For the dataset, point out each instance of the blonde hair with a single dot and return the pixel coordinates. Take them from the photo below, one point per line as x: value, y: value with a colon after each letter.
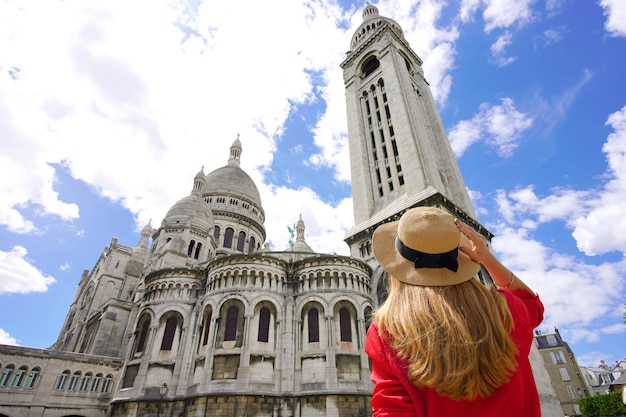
x: 455, y: 339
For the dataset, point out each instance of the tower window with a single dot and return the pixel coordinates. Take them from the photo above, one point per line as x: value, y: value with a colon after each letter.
x: 344, y: 325
x: 370, y: 66
x: 207, y: 326
x: 228, y: 237
x: 241, y: 240
x: 145, y: 327
x: 168, y: 334
x: 232, y: 318
x: 264, y: 325
x: 314, y: 325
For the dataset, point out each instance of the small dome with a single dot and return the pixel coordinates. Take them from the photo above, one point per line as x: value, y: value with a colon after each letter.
x: 372, y: 21
x: 191, y: 211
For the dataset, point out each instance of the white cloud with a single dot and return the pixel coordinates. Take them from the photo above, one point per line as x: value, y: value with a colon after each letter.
x: 506, y: 13
x: 7, y: 339
x: 615, y: 13
x: 500, y: 126
x: 603, y: 228
x: 595, y: 308
x: 498, y: 50
x: 18, y: 275
x: 498, y: 13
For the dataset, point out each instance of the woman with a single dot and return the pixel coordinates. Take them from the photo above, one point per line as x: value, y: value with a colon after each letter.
x: 442, y: 343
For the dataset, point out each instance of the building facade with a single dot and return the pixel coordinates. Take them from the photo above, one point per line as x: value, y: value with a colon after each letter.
x: 202, y: 318
x: 566, y: 376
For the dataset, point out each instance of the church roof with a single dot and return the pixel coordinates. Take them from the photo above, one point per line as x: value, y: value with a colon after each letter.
x: 232, y: 180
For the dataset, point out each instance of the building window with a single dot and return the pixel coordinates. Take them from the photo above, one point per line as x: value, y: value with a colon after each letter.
x: 216, y: 232
x: 190, y: 248
x: 564, y: 374
x: 207, y: 327
x: 143, y: 335
x: 232, y: 317
x: 168, y: 334
x: 74, y: 381
x: 314, y: 325
x: 19, y: 376
x: 551, y: 339
x: 344, y: 325
x: 251, y: 247
x: 228, y: 237
x: 96, y: 383
x: 571, y: 392
x: 32, y: 378
x: 196, y: 255
x: 264, y: 325
x: 6, y: 375
x: 241, y: 241
x: 84, y: 386
x: 558, y: 357
x: 106, y: 387
x: 62, y: 380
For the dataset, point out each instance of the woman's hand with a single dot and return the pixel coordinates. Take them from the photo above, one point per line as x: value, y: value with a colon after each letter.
x: 479, y: 251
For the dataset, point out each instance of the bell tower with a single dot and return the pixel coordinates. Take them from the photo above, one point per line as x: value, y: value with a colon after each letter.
x: 400, y: 156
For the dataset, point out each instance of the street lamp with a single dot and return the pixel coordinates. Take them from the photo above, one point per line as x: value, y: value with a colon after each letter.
x: 162, y: 392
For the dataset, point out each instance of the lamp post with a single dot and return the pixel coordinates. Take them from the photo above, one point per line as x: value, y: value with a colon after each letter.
x: 162, y: 391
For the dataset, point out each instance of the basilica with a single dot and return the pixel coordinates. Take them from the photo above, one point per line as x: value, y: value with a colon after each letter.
x: 201, y: 318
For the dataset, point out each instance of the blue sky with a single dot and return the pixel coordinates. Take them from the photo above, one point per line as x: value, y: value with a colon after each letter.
x: 109, y: 108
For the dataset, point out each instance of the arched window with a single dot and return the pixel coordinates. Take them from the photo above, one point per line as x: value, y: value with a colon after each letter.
x: 344, y: 325
x: 62, y: 380
x: 251, y: 246
x: 143, y: 335
x: 241, y: 240
x: 19, y: 376
x: 207, y: 327
x: 314, y: 325
x: 32, y: 378
x: 6, y: 375
x: 96, y: 383
x: 74, y: 381
x: 168, y: 334
x: 106, y: 387
x: 369, y: 66
x: 264, y: 325
x: 228, y: 237
x: 216, y: 232
x: 190, y: 248
x: 196, y: 255
x: 232, y: 318
x: 84, y: 386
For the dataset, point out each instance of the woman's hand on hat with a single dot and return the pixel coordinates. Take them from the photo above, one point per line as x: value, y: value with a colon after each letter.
x: 479, y: 250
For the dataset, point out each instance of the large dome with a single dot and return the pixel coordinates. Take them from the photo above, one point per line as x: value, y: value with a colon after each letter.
x: 232, y: 180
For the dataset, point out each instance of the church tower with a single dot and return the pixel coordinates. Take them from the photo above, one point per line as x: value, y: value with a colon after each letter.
x: 400, y: 156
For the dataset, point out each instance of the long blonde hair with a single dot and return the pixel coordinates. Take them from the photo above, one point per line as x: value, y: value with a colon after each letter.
x: 455, y: 339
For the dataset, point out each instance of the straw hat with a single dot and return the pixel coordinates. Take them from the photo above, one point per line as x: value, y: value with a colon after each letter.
x: 422, y: 249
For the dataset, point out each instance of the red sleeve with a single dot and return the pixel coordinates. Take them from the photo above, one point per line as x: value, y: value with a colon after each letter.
x: 531, y: 304
x: 390, y: 397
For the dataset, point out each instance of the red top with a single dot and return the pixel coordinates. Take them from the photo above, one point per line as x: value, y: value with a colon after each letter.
x: 395, y: 396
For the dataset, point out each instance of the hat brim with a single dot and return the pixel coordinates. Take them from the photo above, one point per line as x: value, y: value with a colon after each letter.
x: 384, y: 246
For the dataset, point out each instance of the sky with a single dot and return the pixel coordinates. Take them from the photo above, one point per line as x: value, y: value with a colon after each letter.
x: 108, y: 109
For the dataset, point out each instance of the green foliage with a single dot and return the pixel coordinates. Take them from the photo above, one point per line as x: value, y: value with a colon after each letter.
x: 603, y: 405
